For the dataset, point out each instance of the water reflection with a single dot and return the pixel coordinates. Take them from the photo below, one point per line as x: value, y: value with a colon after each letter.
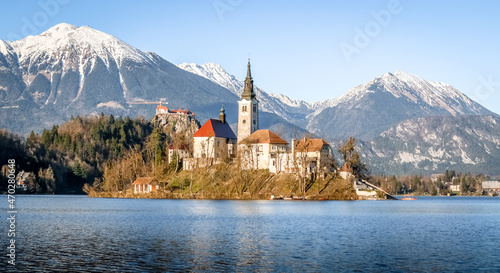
x: 80, y: 234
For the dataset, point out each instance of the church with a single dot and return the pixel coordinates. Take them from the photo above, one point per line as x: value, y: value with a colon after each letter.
x: 252, y: 148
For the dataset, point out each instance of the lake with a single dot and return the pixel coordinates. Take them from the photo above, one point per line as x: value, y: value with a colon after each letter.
x: 79, y: 234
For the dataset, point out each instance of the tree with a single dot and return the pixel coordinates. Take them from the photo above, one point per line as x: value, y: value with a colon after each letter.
x: 47, y: 179
x: 352, y: 158
x: 174, y: 162
x: 156, y: 147
x: 463, y: 185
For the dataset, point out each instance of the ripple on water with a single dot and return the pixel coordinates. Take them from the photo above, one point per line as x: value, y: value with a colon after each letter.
x: 79, y: 234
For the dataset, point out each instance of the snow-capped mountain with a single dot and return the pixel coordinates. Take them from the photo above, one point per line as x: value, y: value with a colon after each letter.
x: 216, y: 74
x: 369, y: 109
x: 71, y: 70
x: 295, y: 111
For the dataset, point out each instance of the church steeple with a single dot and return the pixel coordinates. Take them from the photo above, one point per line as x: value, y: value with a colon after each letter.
x: 248, y: 91
x: 248, y: 113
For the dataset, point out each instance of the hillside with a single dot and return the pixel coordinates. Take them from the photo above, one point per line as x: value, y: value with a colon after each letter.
x: 431, y: 144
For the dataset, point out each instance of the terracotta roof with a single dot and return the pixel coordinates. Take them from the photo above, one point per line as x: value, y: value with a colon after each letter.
x: 264, y: 136
x: 186, y: 112
x: 215, y: 128
x: 346, y: 168
x: 143, y: 181
x: 310, y: 145
x: 162, y: 107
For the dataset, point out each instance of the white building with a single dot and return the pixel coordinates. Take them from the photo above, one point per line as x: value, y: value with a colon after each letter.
x: 455, y: 188
x: 346, y: 171
x: 180, y: 151
x: 491, y: 185
x: 261, y: 150
x: 212, y: 143
x: 313, y: 154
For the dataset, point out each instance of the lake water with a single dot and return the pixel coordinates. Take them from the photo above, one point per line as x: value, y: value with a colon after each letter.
x: 80, y: 234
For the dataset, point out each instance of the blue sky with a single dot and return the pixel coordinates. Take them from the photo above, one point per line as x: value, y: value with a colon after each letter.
x: 309, y: 50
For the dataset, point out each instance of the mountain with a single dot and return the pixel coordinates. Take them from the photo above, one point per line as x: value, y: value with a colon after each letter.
x: 69, y: 70
x: 432, y: 144
x: 369, y: 109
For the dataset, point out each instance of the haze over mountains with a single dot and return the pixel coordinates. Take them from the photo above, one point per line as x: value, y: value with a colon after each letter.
x: 71, y: 70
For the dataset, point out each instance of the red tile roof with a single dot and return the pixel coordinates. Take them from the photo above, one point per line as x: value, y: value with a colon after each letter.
x: 181, y: 111
x: 143, y: 181
x: 310, y: 145
x: 264, y: 136
x: 215, y: 128
x: 162, y: 107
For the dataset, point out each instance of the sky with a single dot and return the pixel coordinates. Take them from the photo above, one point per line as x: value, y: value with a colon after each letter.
x: 307, y: 50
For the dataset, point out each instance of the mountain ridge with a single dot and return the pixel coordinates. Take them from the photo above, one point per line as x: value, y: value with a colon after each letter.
x: 388, y: 100
x: 428, y: 145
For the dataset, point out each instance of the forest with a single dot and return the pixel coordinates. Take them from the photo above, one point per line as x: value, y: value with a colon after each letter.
x: 64, y: 158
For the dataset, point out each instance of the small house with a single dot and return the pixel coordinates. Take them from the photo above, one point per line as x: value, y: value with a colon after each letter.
x: 145, y: 185
x: 346, y: 171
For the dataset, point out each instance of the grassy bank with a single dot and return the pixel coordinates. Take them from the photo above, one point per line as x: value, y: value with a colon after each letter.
x: 227, y: 181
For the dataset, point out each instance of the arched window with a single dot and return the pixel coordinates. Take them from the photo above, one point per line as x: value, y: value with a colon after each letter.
x: 244, y: 121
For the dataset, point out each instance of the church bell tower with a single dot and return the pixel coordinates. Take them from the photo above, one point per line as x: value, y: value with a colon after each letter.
x: 248, y: 111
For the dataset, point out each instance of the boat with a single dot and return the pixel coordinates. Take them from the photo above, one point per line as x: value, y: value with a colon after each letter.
x: 409, y: 197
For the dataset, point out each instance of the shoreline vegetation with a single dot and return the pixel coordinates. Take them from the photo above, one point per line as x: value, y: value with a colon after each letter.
x: 227, y: 181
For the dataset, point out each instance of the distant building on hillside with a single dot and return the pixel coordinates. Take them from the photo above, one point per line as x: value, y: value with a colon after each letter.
x: 455, y: 188
x: 491, y: 186
x: 161, y: 109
